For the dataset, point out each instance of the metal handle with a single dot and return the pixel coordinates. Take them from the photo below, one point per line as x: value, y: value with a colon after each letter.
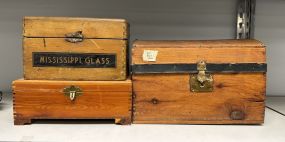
x: 74, y: 37
x: 72, y: 92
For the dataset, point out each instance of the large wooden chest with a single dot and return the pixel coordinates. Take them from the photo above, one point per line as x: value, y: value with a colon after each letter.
x: 199, y: 82
x: 58, y: 48
x: 42, y: 99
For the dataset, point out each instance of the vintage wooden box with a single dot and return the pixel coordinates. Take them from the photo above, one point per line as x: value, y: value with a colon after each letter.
x: 43, y: 99
x: 57, y: 48
x: 199, y: 82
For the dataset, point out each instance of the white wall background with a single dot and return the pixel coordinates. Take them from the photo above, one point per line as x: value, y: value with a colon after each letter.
x: 149, y: 19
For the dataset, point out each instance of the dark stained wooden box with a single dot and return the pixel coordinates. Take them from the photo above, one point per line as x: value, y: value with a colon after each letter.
x: 199, y: 82
x: 43, y: 99
x: 61, y: 48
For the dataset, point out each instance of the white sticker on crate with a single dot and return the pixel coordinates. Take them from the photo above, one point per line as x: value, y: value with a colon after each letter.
x: 149, y: 55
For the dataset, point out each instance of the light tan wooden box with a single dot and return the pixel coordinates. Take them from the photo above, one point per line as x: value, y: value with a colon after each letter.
x: 59, y: 48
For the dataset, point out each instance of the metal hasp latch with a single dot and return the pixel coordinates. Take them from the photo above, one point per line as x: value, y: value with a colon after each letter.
x: 201, y: 82
x: 72, y: 92
x: 74, y: 37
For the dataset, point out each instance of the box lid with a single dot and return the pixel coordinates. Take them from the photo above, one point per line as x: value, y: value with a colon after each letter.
x: 57, y: 27
x: 183, y: 56
x: 59, y: 86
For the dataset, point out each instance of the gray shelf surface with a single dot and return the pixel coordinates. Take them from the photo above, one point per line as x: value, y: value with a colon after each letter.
x: 272, y: 130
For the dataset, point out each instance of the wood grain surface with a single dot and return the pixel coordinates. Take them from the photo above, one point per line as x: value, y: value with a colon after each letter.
x: 224, y: 51
x: 166, y: 98
x: 199, y: 43
x: 90, y: 27
x: 39, y: 99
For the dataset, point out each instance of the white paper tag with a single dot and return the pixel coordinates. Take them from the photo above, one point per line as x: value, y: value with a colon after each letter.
x: 149, y: 55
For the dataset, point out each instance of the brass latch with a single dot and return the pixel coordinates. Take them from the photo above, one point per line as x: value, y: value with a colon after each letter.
x: 72, y: 92
x: 201, y: 82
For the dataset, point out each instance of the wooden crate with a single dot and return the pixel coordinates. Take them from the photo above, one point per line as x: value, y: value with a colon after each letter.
x: 43, y: 99
x: 58, y: 48
x: 199, y: 82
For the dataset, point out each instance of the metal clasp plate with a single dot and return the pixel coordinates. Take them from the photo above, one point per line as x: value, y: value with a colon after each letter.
x: 72, y: 92
x: 74, y: 37
x: 201, y: 82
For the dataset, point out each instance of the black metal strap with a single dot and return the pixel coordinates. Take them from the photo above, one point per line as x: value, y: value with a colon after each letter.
x: 192, y: 68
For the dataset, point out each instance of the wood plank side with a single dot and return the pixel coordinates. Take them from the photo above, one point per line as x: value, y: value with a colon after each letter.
x: 57, y: 86
x: 166, y: 98
x: 56, y: 105
x: 198, y: 43
x: 119, y: 47
x: 90, y: 27
x: 194, y: 54
x: 42, y: 104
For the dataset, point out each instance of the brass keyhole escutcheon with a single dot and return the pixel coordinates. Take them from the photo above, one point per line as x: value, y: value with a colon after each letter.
x: 72, y: 92
x: 202, y: 81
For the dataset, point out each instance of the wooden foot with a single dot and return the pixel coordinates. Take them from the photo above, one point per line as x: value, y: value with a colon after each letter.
x: 22, y: 121
x: 123, y: 121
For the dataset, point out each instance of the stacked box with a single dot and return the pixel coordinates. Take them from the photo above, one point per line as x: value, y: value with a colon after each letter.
x: 74, y: 68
